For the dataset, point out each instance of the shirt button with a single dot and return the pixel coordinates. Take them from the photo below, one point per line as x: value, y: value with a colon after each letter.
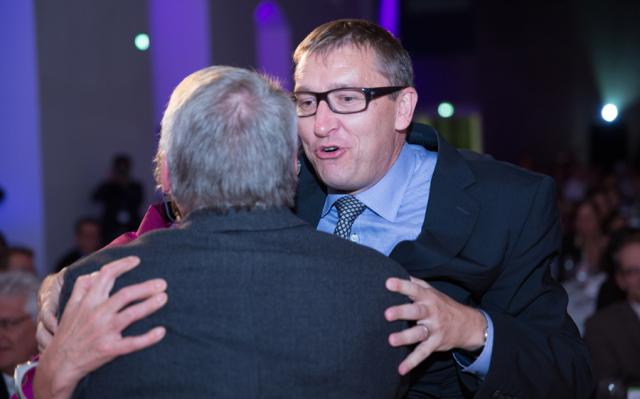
x: 354, y: 237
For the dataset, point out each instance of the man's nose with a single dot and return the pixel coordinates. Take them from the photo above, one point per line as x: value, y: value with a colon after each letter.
x: 325, y: 120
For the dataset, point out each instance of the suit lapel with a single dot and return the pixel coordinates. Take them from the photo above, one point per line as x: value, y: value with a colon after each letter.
x: 451, y: 212
x: 311, y: 194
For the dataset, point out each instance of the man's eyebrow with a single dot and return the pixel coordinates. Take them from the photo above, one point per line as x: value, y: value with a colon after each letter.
x: 331, y: 87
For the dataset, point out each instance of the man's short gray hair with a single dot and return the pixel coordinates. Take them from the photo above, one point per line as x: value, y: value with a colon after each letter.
x: 229, y: 137
x: 20, y: 283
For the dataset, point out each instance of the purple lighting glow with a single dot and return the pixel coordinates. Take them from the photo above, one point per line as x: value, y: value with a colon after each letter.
x: 389, y: 16
x: 268, y: 13
x: 273, y: 41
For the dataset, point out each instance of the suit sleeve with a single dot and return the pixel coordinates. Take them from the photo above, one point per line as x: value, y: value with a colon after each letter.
x: 537, y: 351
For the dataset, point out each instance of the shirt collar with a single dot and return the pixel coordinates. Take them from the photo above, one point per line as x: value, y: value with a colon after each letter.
x: 385, y: 197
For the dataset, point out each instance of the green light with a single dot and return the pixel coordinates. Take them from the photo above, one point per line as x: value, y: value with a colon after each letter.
x: 446, y: 110
x: 142, y: 41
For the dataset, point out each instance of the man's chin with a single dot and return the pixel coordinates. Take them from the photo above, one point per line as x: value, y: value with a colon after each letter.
x: 339, y: 186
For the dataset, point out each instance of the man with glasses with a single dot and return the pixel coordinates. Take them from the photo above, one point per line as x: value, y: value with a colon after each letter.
x: 18, y: 290
x: 490, y: 322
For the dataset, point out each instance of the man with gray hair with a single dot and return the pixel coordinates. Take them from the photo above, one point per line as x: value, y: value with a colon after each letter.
x: 18, y: 290
x: 261, y: 304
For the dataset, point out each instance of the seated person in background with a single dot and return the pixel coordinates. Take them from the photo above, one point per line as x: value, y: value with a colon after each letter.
x: 18, y: 290
x: 261, y: 304
x: 613, y: 334
x: 87, y: 240
x: 583, y: 262
x: 21, y: 258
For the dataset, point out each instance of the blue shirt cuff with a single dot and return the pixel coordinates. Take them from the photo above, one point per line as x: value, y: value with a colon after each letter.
x: 479, y: 366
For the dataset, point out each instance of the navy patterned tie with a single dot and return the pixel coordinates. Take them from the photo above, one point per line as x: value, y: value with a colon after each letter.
x: 349, y: 208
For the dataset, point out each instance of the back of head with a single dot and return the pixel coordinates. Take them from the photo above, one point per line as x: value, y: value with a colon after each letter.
x: 393, y: 60
x: 229, y: 138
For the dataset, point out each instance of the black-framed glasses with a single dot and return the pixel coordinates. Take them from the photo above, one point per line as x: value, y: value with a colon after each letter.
x: 345, y: 100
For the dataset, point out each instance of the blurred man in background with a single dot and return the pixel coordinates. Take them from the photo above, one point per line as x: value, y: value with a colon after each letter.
x: 121, y: 197
x: 88, y: 239
x: 613, y: 333
x: 21, y: 258
x: 18, y: 290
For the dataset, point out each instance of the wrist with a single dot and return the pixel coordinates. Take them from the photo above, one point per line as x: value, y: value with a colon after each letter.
x: 478, y: 333
x: 54, y: 379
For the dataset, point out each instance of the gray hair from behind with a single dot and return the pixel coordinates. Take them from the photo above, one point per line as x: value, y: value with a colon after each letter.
x: 229, y: 136
x: 20, y: 283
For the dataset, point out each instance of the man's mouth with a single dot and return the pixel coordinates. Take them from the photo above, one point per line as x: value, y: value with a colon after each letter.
x: 329, y: 152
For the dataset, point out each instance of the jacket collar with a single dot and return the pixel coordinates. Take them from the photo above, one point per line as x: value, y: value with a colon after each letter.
x: 255, y: 220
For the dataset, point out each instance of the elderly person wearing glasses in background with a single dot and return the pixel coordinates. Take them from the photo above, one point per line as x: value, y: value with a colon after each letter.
x: 18, y: 290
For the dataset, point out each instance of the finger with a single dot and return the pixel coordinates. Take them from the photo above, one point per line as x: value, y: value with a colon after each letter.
x: 49, y: 322
x: 140, y: 310
x: 421, y: 352
x: 410, y: 311
x: 136, y: 292
x: 421, y: 283
x: 409, y: 336
x: 406, y: 287
x: 79, y: 292
x: 138, y: 342
x: 108, y: 274
x: 43, y: 336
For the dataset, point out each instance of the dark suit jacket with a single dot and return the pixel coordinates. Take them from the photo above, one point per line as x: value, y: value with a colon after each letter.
x: 260, y: 306
x: 613, y: 337
x: 490, y: 232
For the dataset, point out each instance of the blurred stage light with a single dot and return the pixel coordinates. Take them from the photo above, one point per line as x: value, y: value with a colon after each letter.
x: 445, y: 110
x: 609, y: 112
x: 142, y: 41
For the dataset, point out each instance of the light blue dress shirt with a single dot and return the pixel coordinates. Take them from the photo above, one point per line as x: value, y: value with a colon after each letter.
x: 396, y: 207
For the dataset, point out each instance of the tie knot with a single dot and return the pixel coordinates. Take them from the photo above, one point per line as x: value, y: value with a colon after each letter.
x: 349, y: 205
x: 349, y: 208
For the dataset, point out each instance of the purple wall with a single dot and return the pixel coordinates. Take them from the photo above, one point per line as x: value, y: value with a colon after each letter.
x: 180, y: 45
x: 21, y: 214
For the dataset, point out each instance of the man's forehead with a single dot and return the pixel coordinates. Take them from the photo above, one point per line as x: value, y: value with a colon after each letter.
x: 361, y: 58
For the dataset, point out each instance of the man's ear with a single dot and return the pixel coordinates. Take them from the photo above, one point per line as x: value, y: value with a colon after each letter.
x: 405, y: 106
x: 165, y: 182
